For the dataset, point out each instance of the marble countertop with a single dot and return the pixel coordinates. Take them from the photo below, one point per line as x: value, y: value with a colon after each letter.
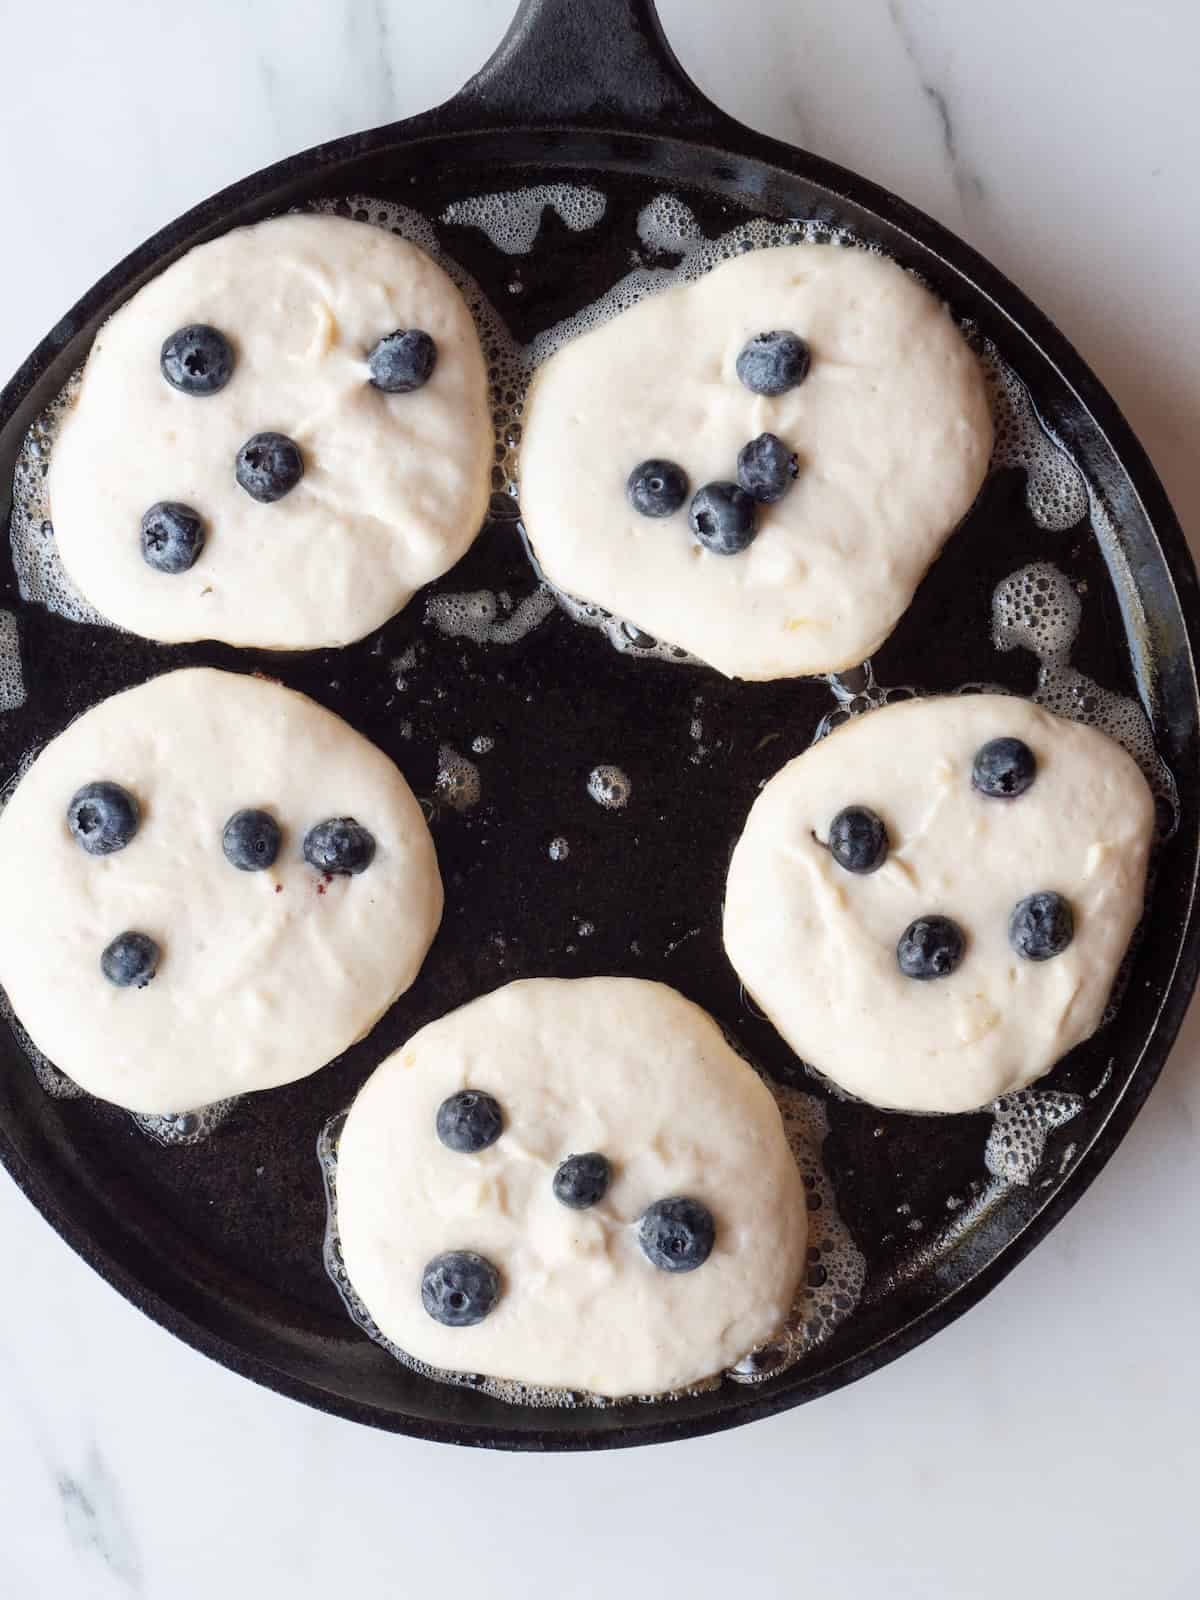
x: 1046, y: 1443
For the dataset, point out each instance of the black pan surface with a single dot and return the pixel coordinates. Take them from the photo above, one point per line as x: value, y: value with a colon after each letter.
x: 221, y: 1241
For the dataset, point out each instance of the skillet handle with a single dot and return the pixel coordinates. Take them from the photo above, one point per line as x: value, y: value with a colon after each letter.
x: 602, y: 64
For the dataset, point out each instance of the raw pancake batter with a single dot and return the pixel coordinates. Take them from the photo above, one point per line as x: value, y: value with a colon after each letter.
x: 375, y: 490
x: 634, y: 1091
x: 166, y: 942
x: 858, y: 854
x: 878, y: 433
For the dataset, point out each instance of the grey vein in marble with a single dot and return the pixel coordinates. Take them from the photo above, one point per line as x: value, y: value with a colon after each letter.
x: 95, y: 1520
x: 386, y: 73
x: 968, y: 184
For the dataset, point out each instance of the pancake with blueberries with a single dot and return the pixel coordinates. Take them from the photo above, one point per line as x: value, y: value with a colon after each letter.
x: 758, y: 467
x: 572, y: 1184
x: 277, y: 441
x: 214, y: 885
x: 932, y: 903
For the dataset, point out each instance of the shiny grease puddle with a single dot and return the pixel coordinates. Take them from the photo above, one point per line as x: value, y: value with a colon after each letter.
x: 470, y: 774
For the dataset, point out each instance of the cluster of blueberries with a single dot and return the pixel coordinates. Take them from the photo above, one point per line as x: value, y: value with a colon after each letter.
x: 1041, y: 926
x: 104, y: 817
x: 198, y: 360
x: 724, y: 516
x: 460, y: 1287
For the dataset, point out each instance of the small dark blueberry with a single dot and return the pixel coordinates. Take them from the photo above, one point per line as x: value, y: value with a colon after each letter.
x: 402, y: 361
x: 469, y: 1121
x: 773, y: 363
x: 582, y: 1181
x: 339, y: 844
x: 1004, y: 768
x: 657, y: 488
x: 766, y: 468
x: 197, y: 360
x: 172, y: 536
x: 677, y: 1234
x: 858, y: 839
x: 269, y: 465
x: 251, y: 840
x: 1041, y: 926
x: 930, y: 947
x: 459, y: 1288
x: 103, y: 817
x: 724, y: 519
x: 130, y: 960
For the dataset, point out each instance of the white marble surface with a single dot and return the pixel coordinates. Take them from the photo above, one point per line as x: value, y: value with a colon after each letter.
x: 1045, y: 1444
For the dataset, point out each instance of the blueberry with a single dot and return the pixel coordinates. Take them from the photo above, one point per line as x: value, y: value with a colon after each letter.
x: 131, y: 959
x: 1004, y: 768
x: 1041, y: 926
x: 766, y: 468
x: 773, y: 363
x: 657, y: 488
x: 103, y: 817
x: 251, y: 840
x: 459, y: 1288
x: 676, y: 1235
x: 197, y: 360
x: 469, y: 1121
x: 269, y: 465
x: 724, y: 518
x: 930, y: 947
x: 581, y: 1181
x: 858, y: 839
x: 402, y: 361
x: 172, y: 536
x: 339, y: 844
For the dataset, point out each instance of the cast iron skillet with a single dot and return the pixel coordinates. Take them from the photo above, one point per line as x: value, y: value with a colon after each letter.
x: 221, y: 1242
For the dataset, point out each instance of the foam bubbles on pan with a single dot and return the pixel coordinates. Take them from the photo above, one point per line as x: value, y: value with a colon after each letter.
x: 463, y: 616
x: 186, y: 1127
x: 1055, y: 489
x: 1022, y: 1124
x: 512, y: 219
x: 481, y: 616
x: 457, y: 784
x: 41, y: 576
x: 666, y: 224
x: 834, y: 1280
x: 12, y: 682
x: 609, y: 787
x: 1038, y: 608
x: 622, y: 635
x: 855, y: 690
